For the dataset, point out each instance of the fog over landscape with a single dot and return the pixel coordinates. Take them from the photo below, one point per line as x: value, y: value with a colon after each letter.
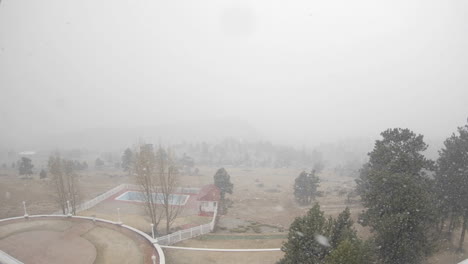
x: 302, y: 74
x: 233, y: 131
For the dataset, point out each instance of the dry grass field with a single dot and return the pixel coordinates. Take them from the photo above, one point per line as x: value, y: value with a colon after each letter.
x: 188, y: 256
x: 264, y: 197
x: 38, y: 193
x: 263, y: 204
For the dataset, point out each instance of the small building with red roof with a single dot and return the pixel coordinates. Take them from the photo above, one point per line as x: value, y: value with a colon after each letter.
x: 208, y: 199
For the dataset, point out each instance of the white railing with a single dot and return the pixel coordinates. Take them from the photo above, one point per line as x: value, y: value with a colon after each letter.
x: 162, y: 259
x: 184, y: 234
x: 227, y: 249
x: 189, y: 232
x: 93, y: 202
x: 7, y: 259
x: 164, y: 240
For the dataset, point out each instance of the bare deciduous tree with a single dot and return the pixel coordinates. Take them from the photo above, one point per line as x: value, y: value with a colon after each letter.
x: 71, y: 185
x: 157, y: 176
x: 64, y: 183
x: 168, y: 180
x: 144, y: 169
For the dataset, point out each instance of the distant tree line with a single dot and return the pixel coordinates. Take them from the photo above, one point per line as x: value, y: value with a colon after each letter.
x: 249, y: 154
x: 25, y: 167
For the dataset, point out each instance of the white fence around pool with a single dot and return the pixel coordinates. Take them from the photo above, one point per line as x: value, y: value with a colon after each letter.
x: 184, y: 234
x: 189, y: 232
x: 93, y: 202
x: 163, y: 240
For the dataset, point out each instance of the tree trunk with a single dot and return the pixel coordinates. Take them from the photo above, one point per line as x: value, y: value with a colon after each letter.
x: 442, y: 224
x: 451, y: 224
x: 222, y: 204
x: 156, y: 234
x: 462, y: 236
x: 167, y: 217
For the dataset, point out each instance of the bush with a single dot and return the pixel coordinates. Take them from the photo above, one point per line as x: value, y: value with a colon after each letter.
x: 256, y: 228
x: 342, y: 192
x: 238, y: 230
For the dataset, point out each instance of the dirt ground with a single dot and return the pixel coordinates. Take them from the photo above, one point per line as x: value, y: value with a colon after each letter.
x: 72, y: 241
x: 265, y: 196
x: 262, y: 197
x: 139, y: 220
x: 175, y: 256
x: 133, y: 214
x: 38, y: 193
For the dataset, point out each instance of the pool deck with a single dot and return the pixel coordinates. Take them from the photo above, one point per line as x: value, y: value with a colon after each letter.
x: 191, y: 206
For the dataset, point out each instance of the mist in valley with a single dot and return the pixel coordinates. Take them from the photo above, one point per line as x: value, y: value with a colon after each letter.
x: 265, y: 97
x: 105, y: 74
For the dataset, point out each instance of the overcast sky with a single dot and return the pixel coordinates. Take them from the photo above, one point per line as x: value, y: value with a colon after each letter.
x: 297, y: 71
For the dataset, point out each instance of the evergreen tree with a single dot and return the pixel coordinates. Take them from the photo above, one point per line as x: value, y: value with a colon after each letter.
x: 312, y: 238
x: 223, y: 181
x: 305, y: 243
x: 452, y: 180
x: 351, y: 252
x: 25, y: 166
x: 127, y: 160
x: 98, y: 163
x: 398, y: 197
x: 187, y: 161
x: 305, y: 187
x: 300, y: 189
x: 42, y: 174
x: 342, y: 229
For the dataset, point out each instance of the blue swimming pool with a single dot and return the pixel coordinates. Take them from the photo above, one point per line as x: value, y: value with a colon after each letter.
x: 134, y: 196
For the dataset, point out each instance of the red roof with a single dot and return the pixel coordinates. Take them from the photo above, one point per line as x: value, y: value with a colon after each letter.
x: 209, y: 192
